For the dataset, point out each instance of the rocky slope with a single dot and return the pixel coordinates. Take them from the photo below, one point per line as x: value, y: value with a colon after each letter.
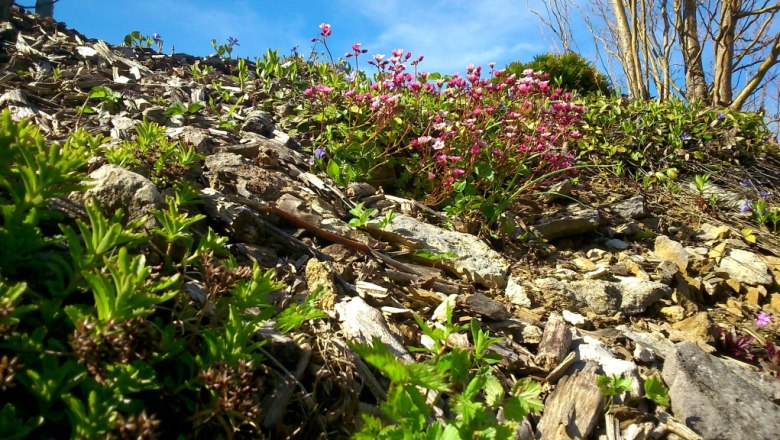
x: 608, y: 281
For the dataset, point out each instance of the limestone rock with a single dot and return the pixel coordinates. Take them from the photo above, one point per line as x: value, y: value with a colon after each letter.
x: 114, y: 187
x: 516, y: 293
x: 708, y: 232
x: 616, y: 244
x: 719, y: 400
x: 633, y: 208
x: 668, y: 249
x: 232, y: 173
x: 570, y: 222
x: 745, y: 267
x: 240, y: 222
x: 474, y: 259
x: 628, y: 295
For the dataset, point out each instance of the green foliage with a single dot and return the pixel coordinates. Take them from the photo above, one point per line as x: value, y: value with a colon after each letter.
x: 135, y: 39
x: 361, y: 215
x: 613, y: 386
x: 430, y: 255
x: 569, y: 71
x: 295, y: 315
x: 97, y: 341
x: 656, y: 391
x: 179, y: 109
x: 461, y: 380
x: 700, y: 181
x: 656, y: 136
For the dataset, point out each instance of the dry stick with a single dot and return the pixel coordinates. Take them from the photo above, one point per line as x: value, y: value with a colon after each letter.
x: 269, y: 208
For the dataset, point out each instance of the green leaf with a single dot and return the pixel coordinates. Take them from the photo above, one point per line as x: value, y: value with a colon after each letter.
x: 656, y: 391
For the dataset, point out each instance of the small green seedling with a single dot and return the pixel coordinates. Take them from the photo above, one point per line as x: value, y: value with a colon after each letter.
x: 656, y: 391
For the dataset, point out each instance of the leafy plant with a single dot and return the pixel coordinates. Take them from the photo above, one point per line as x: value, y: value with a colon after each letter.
x: 225, y: 50
x: 656, y: 391
x: 613, y: 386
x: 179, y: 109
x: 700, y: 180
x: 296, y: 314
x: 387, y: 219
x: 362, y: 216
x: 569, y: 71
x: 474, y: 395
x: 435, y: 256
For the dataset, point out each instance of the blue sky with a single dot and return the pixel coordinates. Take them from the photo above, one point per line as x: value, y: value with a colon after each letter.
x: 450, y: 34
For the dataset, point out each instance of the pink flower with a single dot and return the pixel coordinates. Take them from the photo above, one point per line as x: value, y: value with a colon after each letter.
x: 325, y: 30
x: 457, y: 172
x: 438, y: 144
x: 763, y: 319
x: 308, y: 91
x: 397, y: 53
x: 356, y: 47
x: 378, y: 57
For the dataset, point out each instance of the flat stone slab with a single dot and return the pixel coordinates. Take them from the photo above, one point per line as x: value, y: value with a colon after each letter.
x: 746, y: 267
x: 474, y: 259
x: 628, y: 295
x: 719, y: 400
x: 568, y: 222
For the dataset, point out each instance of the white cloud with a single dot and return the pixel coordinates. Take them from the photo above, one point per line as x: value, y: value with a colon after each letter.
x: 453, y: 34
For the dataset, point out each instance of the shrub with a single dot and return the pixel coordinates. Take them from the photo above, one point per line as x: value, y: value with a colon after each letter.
x: 469, y: 144
x: 569, y: 70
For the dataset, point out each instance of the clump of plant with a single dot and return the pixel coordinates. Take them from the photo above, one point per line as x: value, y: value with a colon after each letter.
x: 742, y: 347
x: 469, y: 144
x: 165, y: 161
x: 653, y: 137
x: 225, y: 50
x: 569, y: 71
x: 460, y: 382
x: 98, y: 340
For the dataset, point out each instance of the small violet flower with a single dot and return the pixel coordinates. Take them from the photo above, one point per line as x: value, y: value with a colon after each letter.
x: 233, y: 41
x: 319, y: 152
x: 721, y: 116
x: 764, y: 194
x: 746, y: 207
x: 157, y: 38
x: 685, y: 137
x: 763, y: 319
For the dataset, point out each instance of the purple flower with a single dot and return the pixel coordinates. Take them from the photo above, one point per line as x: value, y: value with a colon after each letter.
x: 746, y: 184
x: 157, y: 38
x: 764, y: 194
x: 685, y: 137
x: 763, y: 319
x: 721, y: 115
x: 746, y: 207
x: 232, y: 41
x: 319, y: 152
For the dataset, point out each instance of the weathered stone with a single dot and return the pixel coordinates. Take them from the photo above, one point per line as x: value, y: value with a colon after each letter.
x: 745, y: 267
x: 633, y: 208
x: 240, y: 222
x: 572, y: 318
x: 673, y: 314
x: 668, y: 249
x: 708, y: 232
x: 719, y: 400
x: 319, y: 276
x: 696, y: 329
x: 114, y: 187
x: 568, y: 223
x: 774, y: 302
x: 474, y: 259
x: 665, y: 272
x: 628, y: 295
x: 516, y: 293
x: 361, y: 323
x: 231, y: 173
x: 480, y: 304
x: 755, y: 295
x: 556, y: 293
x: 259, y: 122
x: 616, y: 244
x: 591, y: 349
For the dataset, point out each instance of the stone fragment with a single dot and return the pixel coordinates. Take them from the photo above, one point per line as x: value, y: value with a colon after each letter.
x: 628, y: 295
x: 599, y: 273
x: 745, y: 267
x: 708, y: 232
x: 572, y: 318
x: 480, y: 304
x: 665, y: 272
x: 774, y: 302
x: 567, y: 223
x: 473, y: 260
x: 573, y: 409
x: 633, y: 208
x: 516, y: 293
x: 616, y: 244
x: 361, y: 323
x: 696, y: 329
x: 114, y: 187
x: 258, y: 122
x: 668, y: 249
x: 719, y: 400
x: 643, y: 354
x: 673, y: 314
x: 232, y: 173
x: 319, y: 275
x: 240, y: 222
x: 591, y: 349
x: 755, y: 295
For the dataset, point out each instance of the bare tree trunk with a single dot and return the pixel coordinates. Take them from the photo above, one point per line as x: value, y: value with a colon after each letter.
x: 724, y: 52
x: 628, y: 53
x: 695, y: 82
x: 44, y: 8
